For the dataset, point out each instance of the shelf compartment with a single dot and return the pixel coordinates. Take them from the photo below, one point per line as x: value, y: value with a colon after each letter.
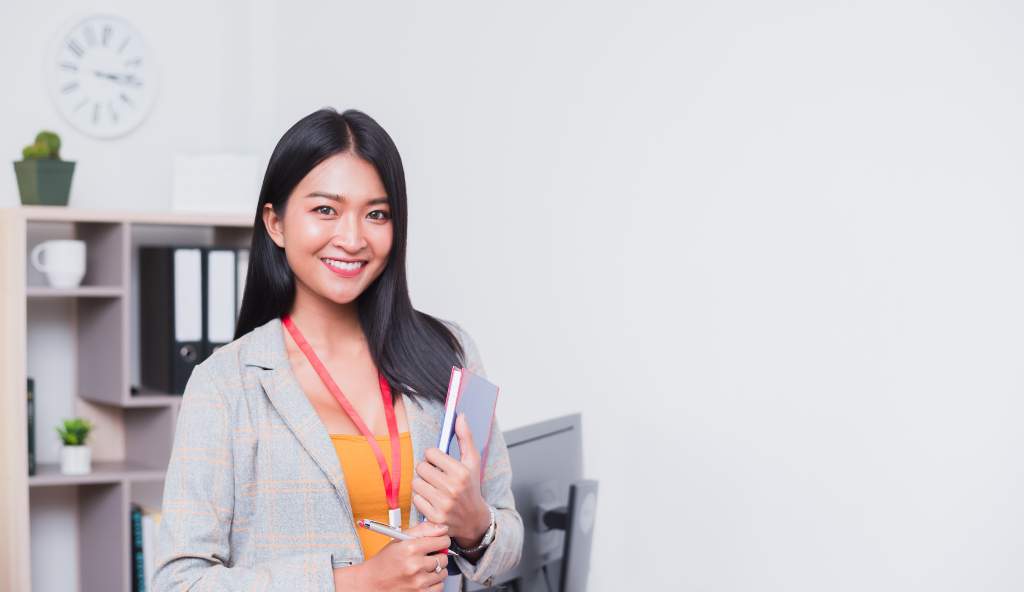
x: 103, y: 537
x: 105, y: 264
x: 149, y: 435
x: 102, y: 372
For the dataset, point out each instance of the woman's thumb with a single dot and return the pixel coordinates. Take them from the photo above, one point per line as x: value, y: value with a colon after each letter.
x: 466, y: 444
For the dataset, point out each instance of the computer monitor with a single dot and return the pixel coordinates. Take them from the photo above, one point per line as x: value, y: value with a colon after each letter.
x: 552, y: 498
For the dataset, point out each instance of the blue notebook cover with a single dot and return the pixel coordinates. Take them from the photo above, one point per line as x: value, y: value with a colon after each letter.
x: 475, y: 397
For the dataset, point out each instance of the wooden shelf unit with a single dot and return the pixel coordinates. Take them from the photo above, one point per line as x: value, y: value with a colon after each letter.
x: 103, y: 311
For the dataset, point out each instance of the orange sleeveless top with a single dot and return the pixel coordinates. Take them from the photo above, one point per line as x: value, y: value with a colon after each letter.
x: 366, y: 487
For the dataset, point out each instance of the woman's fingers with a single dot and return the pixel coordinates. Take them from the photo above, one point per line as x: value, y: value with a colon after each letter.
x: 435, y: 497
x: 430, y: 544
x: 429, y: 580
x: 434, y: 577
x: 432, y: 475
x: 442, y: 558
x: 428, y: 509
x: 442, y: 461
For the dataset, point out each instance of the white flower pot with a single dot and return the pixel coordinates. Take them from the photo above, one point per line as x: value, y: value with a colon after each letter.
x: 75, y: 460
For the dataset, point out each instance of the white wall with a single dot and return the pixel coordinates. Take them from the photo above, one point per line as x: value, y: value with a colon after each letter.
x: 770, y: 250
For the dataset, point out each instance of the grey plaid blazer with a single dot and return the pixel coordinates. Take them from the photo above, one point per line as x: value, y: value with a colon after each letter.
x: 255, y: 498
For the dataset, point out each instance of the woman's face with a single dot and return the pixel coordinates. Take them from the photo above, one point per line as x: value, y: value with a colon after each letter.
x: 336, y: 231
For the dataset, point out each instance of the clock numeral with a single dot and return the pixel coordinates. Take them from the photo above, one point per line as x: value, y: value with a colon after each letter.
x: 127, y: 100
x: 75, y: 47
x: 124, y: 44
x: 107, y: 33
x: 81, y: 104
x: 95, y: 112
x: 69, y: 87
x: 113, y: 112
x: 69, y: 66
x: 134, y: 62
x: 90, y: 36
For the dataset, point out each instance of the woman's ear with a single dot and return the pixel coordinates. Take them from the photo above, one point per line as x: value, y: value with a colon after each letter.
x: 274, y: 224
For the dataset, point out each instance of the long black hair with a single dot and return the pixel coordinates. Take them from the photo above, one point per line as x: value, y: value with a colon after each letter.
x: 413, y: 350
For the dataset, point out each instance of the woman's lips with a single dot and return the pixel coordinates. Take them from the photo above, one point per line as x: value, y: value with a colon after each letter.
x: 345, y: 273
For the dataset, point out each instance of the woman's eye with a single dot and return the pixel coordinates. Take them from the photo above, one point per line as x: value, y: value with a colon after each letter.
x: 321, y: 208
x: 384, y: 215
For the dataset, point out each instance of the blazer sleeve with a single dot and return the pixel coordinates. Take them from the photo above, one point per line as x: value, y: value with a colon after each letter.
x: 506, y: 550
x: 193, y: 550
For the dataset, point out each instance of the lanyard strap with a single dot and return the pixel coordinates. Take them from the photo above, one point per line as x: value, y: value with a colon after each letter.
x: 391, y: 486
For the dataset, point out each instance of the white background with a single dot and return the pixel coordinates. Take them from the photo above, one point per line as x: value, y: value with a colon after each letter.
x: 770, y: 250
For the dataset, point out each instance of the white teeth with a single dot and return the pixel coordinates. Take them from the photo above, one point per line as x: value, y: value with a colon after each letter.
x: 344, y: 265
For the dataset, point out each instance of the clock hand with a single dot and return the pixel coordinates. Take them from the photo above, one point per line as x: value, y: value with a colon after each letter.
x: 119, y: 78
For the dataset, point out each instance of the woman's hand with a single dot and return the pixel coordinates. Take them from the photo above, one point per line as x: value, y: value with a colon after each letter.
x: 402, y: 566
x: 449, y: 490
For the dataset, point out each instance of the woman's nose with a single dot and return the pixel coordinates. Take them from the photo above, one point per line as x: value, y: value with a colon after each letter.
x: 348, y: 234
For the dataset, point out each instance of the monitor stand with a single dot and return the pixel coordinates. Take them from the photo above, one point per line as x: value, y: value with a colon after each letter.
x: 577, y: 520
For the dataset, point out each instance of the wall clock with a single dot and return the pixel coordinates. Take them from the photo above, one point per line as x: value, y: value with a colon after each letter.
x: 101, y: 75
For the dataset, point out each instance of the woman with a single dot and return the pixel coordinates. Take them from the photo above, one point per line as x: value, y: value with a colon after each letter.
x: 292, y: 432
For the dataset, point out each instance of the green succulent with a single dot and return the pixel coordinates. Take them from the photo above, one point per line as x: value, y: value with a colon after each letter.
x: 35, y: 151
x: 74, y: 431
x: 47, y: 145
x: 51, y: 140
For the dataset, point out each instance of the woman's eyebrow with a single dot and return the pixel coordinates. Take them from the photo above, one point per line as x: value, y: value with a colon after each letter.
x: 341, y: 198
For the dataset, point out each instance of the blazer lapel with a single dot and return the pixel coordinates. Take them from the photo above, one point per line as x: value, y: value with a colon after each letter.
x: 267, y: 351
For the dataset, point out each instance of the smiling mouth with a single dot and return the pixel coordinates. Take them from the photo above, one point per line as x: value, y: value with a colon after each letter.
x: 344, y: 265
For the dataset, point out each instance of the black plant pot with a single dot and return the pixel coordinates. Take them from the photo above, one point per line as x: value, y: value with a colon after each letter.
x: 44, y: 182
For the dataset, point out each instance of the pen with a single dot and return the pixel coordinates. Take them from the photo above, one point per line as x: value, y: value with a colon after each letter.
x: 384, y: 529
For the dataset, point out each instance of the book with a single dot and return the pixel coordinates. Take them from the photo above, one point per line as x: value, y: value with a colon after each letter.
x: 31, y: 403
x: 137, y: 559
x: 150, y: 529
x: 475, y: 397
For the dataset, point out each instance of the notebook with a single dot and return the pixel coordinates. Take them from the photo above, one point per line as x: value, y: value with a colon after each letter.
x: 475, y: 397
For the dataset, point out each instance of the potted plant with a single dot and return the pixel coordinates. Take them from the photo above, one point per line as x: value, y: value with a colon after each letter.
x: 43, y: 178
x: 75, y: 458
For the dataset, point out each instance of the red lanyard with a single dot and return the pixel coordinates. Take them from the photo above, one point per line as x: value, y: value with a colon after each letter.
x: 391, y: 486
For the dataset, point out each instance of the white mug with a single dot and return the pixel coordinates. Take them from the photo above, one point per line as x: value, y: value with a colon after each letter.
x: 62, y: 261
